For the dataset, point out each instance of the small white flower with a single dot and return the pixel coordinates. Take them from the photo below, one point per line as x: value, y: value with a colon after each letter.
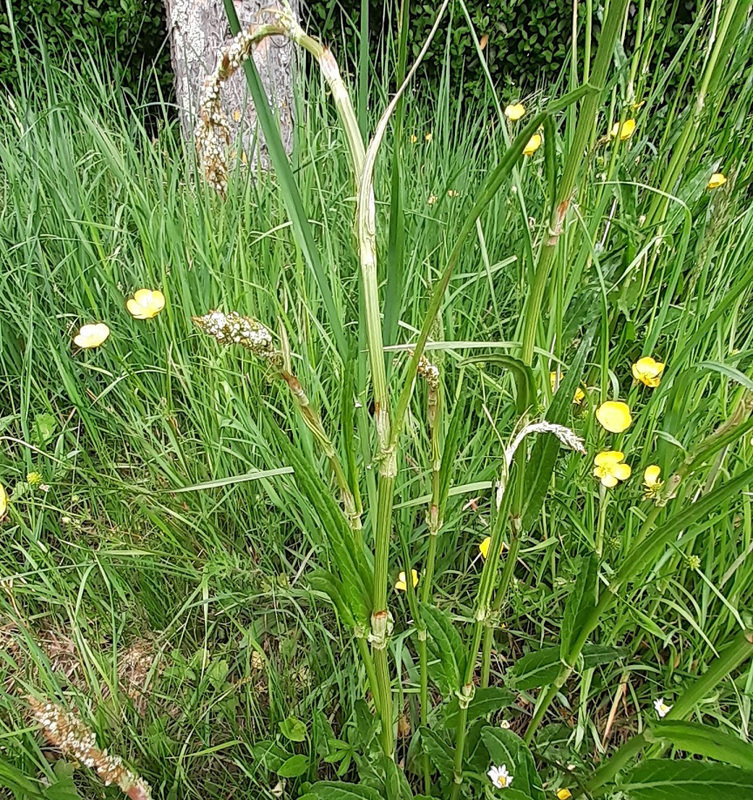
x: 500, y: 777
x: 662, y: 709
x: 505, y: 725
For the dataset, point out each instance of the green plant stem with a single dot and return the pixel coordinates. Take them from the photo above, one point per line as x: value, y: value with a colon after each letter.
x: 734, y: 17
x: 482, y: 615
x: 434, y: 525
x: 584, y: 133
x: 500, y: 594
x: 647, y: 545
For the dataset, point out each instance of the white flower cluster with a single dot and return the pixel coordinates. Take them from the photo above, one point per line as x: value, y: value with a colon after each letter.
x: 232, y: 328
x: 428, y: 371
x: 75, y: 740
x: 212, y: 132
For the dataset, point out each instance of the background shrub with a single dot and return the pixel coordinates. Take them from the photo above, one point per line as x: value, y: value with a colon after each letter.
x: 528, y: 42
x: 132, y: 32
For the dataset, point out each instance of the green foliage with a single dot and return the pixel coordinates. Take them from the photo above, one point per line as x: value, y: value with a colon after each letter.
x: 694, y: 780
x: 188, y: 499
x: 131, y: 32
x: 526, y: 44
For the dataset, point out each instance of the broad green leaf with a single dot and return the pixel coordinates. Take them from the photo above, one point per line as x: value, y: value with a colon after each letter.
x: 596, y: 655
x: 395, y: 780
x: 336, y: 790
x: 539, y: 668
x: 485, y: 701
x: 294, y: 767
x: 439, y: 753
x: 579, y: 601
x: 43, y: 428
x: 293, y: 729
x: 506, y: 747
x: 545, y: 450
x: 703, y: 740
x: 521, y: 373
x: 446, y: 645
x: 662, y: 779
x: 269, y: 754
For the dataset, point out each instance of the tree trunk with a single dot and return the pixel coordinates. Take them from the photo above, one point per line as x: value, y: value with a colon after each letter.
x: 198, y: 30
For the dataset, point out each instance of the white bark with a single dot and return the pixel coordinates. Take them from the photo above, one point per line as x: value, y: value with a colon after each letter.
x: 198, y: 30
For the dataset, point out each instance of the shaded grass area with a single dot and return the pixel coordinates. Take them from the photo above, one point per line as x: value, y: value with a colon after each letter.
x: 165, y: 527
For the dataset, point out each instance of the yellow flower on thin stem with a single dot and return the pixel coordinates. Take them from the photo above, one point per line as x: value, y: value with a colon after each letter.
x: 429, y: 136
x: 716, y: 180
x: 146, y: 303
x: 624, y: 131
x: 648, y: 371
x: 533, y: 145
x: 413, y: 138
x: 91, y: 336
x: 3, y: 501
x: 614, y: 415
x: 401, y: 585
x: 564, y: 794
x: 515, y: 111
x: 486, y: 544
x: 610, y: 469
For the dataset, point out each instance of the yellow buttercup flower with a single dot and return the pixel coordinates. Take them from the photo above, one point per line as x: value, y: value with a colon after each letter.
x: 614, y: 415
x: 401, y: 585
x: 652, y: 482
x: 486, y: 544
x: 429, y: 136
x: 648, y: 371
x: 432, y: 199
x: 564, y: 794
x: 554, y: 382
x: 651, y: 477
x: 3, y: 501
x: 716, y: 180
x: 610, y: 469
x: 413, y: 138
x: 624, y: 131
x: 90, y: 336
x: 515, y: 111
x: 533, y: 145
x: 146, y: 303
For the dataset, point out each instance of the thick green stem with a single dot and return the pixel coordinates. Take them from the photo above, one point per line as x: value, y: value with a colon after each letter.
x: 386, y: 734
x: 584, y: 133
x: 501, y: 593
x: 734, y: 17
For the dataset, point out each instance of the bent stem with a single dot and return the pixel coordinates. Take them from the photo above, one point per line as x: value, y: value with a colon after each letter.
x: 584, y: 133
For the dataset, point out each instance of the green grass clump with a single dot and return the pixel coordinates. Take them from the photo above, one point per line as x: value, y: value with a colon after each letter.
x: 171, y: 512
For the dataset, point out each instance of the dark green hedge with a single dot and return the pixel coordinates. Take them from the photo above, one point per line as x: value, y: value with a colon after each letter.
x: 131, y: 32
x: 528, y: 40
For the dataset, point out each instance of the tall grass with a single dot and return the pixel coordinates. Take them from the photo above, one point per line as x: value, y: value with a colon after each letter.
x: 172, y: 514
